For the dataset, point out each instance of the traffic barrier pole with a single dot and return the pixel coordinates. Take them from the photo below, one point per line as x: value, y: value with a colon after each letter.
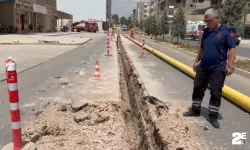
x: 108, y: 45
x: 234, y: 96
x: 142, y: 49
x: 14, y: 105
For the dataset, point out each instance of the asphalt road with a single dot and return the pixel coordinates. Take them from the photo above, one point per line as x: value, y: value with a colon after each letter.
x: 36, y: 83
x: 178, y: 86
x: 241, y: 51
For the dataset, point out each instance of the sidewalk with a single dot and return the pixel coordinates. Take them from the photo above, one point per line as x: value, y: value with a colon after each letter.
x: 245, y: 43
x: 171, y: 86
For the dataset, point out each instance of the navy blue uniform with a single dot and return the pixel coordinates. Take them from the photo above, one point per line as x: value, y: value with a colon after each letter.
x: 212, y: 68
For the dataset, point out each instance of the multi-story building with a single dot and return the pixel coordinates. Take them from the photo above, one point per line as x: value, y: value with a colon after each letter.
x: 25, y: 15
x: 134, y: 15
x: 189, y: 5
x: 153, y: 8
x: 142, y: 11
x: 219, y: 5
x: 194, y: 9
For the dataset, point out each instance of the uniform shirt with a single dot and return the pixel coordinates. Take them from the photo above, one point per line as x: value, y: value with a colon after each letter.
x: 215, y: 45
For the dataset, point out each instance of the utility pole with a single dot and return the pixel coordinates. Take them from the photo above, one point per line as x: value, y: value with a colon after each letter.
x: 108, y: 12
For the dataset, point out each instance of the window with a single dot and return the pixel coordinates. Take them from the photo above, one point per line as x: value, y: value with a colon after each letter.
x: 162, y: 6
x: 214, y: 2
x: 178, y: 1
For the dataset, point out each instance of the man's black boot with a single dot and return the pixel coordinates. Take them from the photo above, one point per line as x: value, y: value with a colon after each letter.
x: 192, y: 113
x: 214, y: 122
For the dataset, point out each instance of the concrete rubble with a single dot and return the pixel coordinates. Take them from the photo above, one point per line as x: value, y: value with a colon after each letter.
x: 86, y: 128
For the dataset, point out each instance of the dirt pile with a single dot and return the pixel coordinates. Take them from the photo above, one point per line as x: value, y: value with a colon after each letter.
x: 82, y: 125
x: 176, y: 132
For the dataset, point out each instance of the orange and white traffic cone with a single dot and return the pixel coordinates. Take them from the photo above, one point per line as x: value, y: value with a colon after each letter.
x: 97, y: 75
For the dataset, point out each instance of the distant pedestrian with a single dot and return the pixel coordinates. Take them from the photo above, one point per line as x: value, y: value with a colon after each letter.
x: 38, y: 27
x: 132, y: 33
x: 210, y: 65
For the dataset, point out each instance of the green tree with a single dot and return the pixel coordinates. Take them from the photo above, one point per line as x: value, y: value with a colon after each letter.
x: 141, y: 25
x: 115, y: 19
x: 179, y: 24
x: 155, y: 30
x: 130, y: 23
x: 123, y: 20
x: 233, y: 13
x: 147, y: 26
x: 164, y: 26
x: 137, y: 24
x: 127, y: 21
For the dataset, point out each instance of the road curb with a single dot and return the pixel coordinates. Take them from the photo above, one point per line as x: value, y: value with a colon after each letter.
x: 19, y: 72
x: 230, y: 94
x: 64, y: 34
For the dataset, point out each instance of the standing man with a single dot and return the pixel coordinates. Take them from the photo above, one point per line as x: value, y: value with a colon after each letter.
x: 213, y: 63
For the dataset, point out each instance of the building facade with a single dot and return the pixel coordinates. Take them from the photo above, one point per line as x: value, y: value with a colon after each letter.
x: 195, y: 9
x: 142, y: 11
x: 153, y: 7
x: 134, y: 15
x: 25, y: 15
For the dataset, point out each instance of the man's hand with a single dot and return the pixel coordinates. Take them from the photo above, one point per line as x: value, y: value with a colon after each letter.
x: 195, y: 66
x: 229, y: 70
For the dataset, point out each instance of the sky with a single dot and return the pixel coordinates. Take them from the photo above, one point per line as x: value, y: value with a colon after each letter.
x: 95, y: 9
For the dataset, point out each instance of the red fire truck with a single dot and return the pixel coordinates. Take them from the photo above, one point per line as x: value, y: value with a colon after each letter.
x: 84, y: 26
x: 78, y: 26
x: 91, y: 26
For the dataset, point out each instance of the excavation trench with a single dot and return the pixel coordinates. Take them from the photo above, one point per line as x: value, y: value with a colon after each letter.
x: 142, y: 109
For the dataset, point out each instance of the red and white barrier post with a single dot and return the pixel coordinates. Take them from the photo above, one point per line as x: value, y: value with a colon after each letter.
x: 142, y: 49
x: 108, y: 45
x: 14, y: 106
x: 11, y: 78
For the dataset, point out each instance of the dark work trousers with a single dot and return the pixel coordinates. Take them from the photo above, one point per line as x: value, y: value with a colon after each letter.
x: 215, y: 78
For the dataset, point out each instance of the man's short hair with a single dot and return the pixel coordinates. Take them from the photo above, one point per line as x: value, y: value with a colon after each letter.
x: 212, y: 12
